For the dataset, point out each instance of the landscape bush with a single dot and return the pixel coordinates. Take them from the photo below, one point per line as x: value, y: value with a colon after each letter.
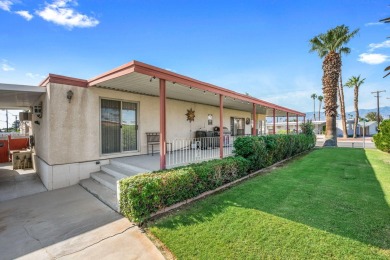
x: 382, y: 138
x: 263, y: 151
x: 144, y: 194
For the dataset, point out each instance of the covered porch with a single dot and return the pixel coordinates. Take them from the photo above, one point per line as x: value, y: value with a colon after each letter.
x: 178, y: 146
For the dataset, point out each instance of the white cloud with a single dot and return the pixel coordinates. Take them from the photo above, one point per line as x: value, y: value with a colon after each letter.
x: 60, y: 13
x: 25, y: 14
x: 5, y: 66
x: 374, y: 46
x: 373, y: 24
x: 34, y: 75
x: 373, y: 58
x: 5, y: 5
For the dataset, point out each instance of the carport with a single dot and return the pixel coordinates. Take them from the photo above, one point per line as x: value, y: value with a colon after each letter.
x: 19, y: 96
x: 17, y: 183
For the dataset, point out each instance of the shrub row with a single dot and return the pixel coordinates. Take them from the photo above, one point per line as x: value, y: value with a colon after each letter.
x: 382, y: 138
x: 145, y: 194
x: 263, y: 151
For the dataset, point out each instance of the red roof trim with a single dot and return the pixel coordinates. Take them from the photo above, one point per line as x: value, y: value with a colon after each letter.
x: 53, y: 78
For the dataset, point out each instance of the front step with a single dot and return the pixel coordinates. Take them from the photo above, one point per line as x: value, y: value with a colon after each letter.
x: 106, y: 179
x: 118, y: 171
x: 103, y: 184
x: 104, y: 194
x: 128, y: 167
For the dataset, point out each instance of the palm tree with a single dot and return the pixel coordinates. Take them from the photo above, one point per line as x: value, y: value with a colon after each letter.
x: 320, y: 98
x: 355, y: 82
x: 314, y: 96
x: 344, y: 50
x: 329, y: 46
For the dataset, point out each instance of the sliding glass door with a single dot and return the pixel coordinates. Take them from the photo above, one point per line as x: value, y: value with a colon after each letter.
x: 118, y: 126
x: 129, y: 126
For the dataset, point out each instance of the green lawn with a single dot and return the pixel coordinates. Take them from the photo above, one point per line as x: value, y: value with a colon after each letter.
x: 331, y: 203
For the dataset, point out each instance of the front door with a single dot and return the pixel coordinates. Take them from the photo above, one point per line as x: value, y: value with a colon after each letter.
x: 118, y: 126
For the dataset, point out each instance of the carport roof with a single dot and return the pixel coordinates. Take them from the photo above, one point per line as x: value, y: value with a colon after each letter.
x: 19, y: 96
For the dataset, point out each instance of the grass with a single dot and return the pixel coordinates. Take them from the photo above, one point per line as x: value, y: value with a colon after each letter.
x: 331, y: 203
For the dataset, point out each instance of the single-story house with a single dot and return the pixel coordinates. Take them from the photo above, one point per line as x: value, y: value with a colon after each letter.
x: 79, y: 125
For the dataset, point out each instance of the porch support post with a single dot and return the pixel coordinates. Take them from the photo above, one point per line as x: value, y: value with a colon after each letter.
x: 288, y: 129
x: 296, y: 119
x: 273, y: 112
x: 163, y: 124
x: 254, y: 120
x: 221, y: 137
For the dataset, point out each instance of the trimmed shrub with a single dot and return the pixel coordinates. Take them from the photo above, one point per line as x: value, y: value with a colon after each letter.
x: 263, y: 151
x: 382, y: 139
x: 144, y: 194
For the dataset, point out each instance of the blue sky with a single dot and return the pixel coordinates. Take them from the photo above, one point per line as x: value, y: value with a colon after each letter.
x: 259, y: 47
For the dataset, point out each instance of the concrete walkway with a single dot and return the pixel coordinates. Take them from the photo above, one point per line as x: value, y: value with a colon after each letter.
x: 18, y: 183
x: 69, y: 223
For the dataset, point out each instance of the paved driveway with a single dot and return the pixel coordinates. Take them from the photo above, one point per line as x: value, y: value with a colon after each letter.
x: 18, y: 183
x: 68, y: 223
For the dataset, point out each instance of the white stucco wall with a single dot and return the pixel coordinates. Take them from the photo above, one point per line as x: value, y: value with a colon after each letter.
x: 70, y: 132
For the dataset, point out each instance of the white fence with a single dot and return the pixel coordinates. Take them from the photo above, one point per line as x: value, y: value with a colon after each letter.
x: 184, y: 151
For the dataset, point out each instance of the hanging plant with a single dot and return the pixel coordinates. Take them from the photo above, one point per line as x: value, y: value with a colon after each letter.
x: 190, y: 115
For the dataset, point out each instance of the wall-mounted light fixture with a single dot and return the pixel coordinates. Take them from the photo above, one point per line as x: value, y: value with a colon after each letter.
x: 152, y: 78
x: 69, y: 95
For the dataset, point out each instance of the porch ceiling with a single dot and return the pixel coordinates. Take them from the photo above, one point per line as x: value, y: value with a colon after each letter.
x: 19, y: 96
x: 144, y: 84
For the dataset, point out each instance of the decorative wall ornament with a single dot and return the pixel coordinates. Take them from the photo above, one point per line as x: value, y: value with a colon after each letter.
x: 190, y: 115
x: 210, y: 119
x: 247, y: 121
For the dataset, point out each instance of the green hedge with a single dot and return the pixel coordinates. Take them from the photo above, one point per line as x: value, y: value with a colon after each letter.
x: 263, y: 151
x: 382, y: 139
x: 145, y: 194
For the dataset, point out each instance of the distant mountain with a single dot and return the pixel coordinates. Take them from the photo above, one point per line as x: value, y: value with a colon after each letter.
x: 384, y: 111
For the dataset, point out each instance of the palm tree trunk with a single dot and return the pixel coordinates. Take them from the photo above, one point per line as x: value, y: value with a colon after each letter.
x: 355, y: 100
x: 319, y: 111
x: 342, y: 107
x: 331, y: 68
x: 314, y: 109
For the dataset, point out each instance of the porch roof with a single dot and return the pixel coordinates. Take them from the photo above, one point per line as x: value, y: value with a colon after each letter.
x: 19, y: 96
x: 138, y: 77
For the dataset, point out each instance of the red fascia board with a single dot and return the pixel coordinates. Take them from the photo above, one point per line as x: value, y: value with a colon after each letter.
x: 53, y: 78
x: 114, y: 73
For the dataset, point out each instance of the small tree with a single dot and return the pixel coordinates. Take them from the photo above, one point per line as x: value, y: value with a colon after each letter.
x: 371, y: 116
x: 308, y: 129
x: 382, y: 138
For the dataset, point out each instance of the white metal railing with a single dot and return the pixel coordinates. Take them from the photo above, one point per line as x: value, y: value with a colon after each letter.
x: 185, y: 151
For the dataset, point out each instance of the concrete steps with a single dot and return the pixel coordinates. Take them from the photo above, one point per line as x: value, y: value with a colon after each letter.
x: 103, y: 184
x: 104, y: 194
x: 105, y: 179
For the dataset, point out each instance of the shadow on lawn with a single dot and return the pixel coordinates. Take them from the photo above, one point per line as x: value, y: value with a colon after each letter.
x: 335, y: 192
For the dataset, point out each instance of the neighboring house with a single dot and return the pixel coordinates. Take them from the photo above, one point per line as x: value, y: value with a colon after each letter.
x: 79, y: 125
